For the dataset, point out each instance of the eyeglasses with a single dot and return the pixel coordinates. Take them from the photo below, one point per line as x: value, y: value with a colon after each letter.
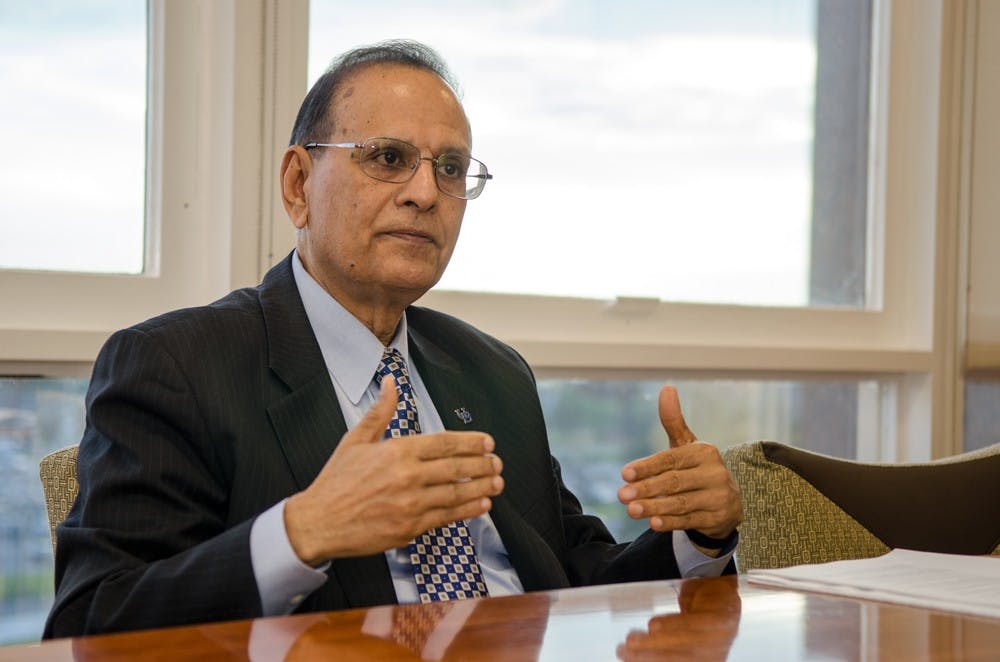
x: 391, y: 160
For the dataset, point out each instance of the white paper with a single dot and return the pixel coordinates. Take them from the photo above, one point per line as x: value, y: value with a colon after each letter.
x: 946, y: 582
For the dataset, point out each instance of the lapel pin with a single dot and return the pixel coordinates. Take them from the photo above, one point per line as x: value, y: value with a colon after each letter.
x: 464, y: 414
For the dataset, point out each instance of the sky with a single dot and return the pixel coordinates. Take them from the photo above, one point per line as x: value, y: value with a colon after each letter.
x: 647, y: 148
x: 72, y: 126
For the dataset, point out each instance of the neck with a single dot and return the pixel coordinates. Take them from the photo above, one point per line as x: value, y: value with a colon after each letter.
x: 379, y: 309
x: 380, y: 317
x: 381, y: 323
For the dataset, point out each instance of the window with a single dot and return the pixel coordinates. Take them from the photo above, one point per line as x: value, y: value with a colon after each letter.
x: 596, y: 426
x: 72, y: 198
x: 72, y: 172
x: 803, y: 261
x: 67, y: 72
x: 628, y: 139
x: 147, y: 175
x: 982, y: 416
x: 982, y: 353
x: 870, y: 338
x: 37, y: 416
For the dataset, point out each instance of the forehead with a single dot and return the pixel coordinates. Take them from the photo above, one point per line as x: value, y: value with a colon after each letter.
x: 401, y: 102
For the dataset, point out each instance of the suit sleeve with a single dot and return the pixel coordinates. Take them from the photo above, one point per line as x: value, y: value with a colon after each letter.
x: 591, y: 555
x: 147, y: 543
x: 594, y: 557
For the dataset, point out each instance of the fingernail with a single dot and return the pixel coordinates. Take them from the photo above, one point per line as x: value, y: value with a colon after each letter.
x: 629, y: 474
x: 497, y: 483
x: 655, y: 523
x: 628, y: 493
x: 488, y: 444
x: 635, y: 509
x: 497, y: 464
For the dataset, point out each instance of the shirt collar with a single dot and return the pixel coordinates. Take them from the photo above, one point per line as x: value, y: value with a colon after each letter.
x: 350, y: 350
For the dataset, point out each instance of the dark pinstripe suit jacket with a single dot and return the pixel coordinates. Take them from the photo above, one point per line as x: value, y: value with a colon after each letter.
x: 201, y: 419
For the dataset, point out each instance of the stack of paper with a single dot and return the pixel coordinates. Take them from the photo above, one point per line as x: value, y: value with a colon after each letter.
x: 947, y: 582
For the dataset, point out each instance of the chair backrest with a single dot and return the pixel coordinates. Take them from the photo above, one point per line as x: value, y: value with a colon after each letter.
x: 804, y: 507
x: 58, y: 473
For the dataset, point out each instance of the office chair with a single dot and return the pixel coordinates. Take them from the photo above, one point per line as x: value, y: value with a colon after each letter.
x: 58, y: 473
x: 804, y: 507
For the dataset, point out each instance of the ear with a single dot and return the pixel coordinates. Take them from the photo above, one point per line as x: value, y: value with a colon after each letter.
x: 295, y: 168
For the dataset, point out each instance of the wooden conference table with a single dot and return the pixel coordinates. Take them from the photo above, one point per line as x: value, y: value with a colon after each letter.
x: 697, y: 619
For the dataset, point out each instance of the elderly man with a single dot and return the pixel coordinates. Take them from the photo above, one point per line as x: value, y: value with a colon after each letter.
x: 319, y: 443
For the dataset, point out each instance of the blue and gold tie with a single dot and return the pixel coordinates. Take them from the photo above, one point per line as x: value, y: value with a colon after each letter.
x: 444, y: 560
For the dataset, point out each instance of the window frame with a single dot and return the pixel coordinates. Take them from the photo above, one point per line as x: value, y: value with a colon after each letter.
x: 206, y: 125
x: 221, y: 131
x: 983, y: 196
x: 899, y: 335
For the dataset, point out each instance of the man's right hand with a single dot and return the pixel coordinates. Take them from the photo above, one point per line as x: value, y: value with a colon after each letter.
x: 373, y: 495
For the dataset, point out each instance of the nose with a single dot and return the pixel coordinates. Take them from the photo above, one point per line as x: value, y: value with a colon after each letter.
x: 421, y: 190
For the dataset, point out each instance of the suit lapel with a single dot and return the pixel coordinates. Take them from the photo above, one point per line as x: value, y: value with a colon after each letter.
x: 306, y: 418
x: 459, y: 402
x: 309, y: 423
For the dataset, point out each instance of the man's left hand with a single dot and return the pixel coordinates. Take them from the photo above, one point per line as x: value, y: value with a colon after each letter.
x: 684, y: 487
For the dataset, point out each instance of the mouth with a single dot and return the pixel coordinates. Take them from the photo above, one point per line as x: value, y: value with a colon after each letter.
x: 412, y: 235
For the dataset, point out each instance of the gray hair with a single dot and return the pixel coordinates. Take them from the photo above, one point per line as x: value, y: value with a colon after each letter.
x: 314, y: 123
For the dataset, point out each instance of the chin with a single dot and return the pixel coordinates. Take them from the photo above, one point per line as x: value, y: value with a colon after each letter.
x: 412, y: 288
x: 416, y: 278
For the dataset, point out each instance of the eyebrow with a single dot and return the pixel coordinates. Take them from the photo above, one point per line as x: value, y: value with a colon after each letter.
x: 448, y: 149
x: 456, y: 150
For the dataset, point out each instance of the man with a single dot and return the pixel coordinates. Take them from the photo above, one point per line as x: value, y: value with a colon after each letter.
x: 234, y: 465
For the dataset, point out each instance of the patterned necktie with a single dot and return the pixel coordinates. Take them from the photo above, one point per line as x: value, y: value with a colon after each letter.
x: 444, y: 559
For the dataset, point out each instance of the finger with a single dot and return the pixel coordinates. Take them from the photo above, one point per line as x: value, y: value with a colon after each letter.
x: 694, y: 466
x: 704, y: 513
x: 673, y: 421
x: 450, y: 444
x: 453, y: 469
x: 715, y: 511
x: 450, y: 495
x: 677, y: 505
x: 376, y: 419
x: 688, y: 456
x: 443, y: 504
x: 670, y: 482
x: 444, y: 516
x: 710, y: 491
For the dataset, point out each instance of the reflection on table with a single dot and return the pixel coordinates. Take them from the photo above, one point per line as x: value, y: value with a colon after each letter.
x: 698, y: 619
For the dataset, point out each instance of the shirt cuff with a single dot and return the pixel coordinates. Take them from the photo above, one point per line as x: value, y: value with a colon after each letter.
x: 283, y: 581
x: 693, y: 563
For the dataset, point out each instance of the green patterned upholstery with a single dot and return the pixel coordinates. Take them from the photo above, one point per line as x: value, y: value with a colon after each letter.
x: 58, y: 473
x: 789, y: 521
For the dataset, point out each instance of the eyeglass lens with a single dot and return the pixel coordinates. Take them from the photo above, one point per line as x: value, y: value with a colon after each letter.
x: 390, y: 160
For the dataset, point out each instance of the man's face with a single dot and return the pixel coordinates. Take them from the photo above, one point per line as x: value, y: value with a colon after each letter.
x: 372, y: 243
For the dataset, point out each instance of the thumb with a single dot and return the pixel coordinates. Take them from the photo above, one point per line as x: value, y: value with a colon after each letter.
x: 672, y: 419
x: 376, y: 419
